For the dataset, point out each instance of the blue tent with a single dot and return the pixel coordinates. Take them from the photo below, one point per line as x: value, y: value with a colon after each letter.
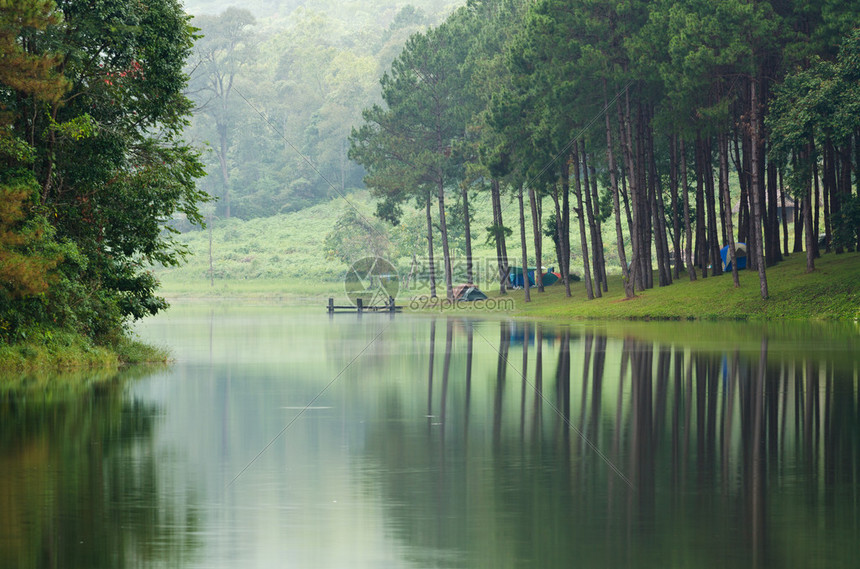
x: 740, y: 255
x: 515, y: 276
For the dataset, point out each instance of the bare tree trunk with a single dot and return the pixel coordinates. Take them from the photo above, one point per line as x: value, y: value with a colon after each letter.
x: 595, y: 263
x: 565, y: 259
x: 468, y: 229
x: 524, y: 248
x: 701, y: 247
x: 646, y: 264
x: 774, y: 255
x: 723, y: 149
x: 616, y: 206
x: 799, y: 215
x: 446, y: 252
x: 673, y: 188
x: 713, y: 237
x: 817, y: 200
x: 743, y: 181
x: 784, y: 213
x: 536, y: 227
x: 565, y: 215
x: 811, y: 238
x: 577, y: 190
x: 430, y: 263
x: 498, y: 227
x: 601, y: 257
x: 688, y: 231
x: 755, y: 143
x: 639, y: 277
x: 625, y: 160
x: 661, y: 241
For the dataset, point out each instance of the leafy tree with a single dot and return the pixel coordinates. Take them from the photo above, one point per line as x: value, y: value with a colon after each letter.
x: 226, y: 46
x: 407, y: 147
x: 107, y: 157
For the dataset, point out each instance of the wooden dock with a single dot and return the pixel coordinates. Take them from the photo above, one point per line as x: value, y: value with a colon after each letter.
x: 360, y: 308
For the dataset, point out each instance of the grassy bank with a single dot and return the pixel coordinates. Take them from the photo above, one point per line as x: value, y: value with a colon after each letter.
x: 63, y: 351
x: 831, y: 292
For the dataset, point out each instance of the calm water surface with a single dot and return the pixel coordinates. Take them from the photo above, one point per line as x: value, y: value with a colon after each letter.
x: 282, y: 438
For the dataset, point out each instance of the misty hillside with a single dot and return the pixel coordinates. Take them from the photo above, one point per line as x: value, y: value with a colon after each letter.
x: 279, y: 85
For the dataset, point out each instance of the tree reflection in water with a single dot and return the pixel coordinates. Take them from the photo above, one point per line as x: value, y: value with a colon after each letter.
x: 733, y: 457
x: 80, y: 486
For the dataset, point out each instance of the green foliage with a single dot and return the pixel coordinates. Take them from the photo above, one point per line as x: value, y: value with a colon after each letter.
x: 355, y: 236
x: 103, y: 169
x: 278, y: 90
x: 846, y: 222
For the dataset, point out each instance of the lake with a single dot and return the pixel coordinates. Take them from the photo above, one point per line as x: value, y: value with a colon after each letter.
x: 285, y: 438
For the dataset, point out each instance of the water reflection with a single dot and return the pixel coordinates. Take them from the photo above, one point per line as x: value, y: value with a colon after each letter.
x: 643, y: 454
x: 80, y: 484
x: 443, y: 443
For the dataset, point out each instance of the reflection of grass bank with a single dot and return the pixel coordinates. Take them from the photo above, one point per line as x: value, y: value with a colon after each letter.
x: 832, y: 292
x: 65, y: 351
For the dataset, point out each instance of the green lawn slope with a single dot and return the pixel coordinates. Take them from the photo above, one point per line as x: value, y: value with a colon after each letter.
x: 831, y: 292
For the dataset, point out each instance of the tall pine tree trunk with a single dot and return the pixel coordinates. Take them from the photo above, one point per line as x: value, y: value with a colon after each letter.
x: 446, y: 251
x: 580, y: 214
x: 467, y: 227
x: 646, y: 264
x: 601, y: 257
x: 616, y: 206
x: 713, y: 237
x: 592, y: 226
x: 638, y: 275
x: 564, y: 259
x: 523, y: 246
x: 701, y: 246
x: 499, y: 235
x: 723, y: 149
x: 755, y: 170
x: 774, y: 255
x: 430, y: 262
x: 688, y: 231
x: 661, y: 242
x: 811, y: 237
x: 743, y: 212
x: 673, y: 188
x: 536, y: 227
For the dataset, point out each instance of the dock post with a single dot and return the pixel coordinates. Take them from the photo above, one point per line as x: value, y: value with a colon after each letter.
x: 360, y: 305
x: 330, y: 305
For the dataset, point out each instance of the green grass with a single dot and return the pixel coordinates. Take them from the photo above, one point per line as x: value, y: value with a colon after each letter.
x: 67, y: 351
x: 284, y: 257
x: 831, y: 292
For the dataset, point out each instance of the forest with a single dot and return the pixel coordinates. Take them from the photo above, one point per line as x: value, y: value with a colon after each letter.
x: 646, y: 117
x: 277, y: 87
x: 655, y: 133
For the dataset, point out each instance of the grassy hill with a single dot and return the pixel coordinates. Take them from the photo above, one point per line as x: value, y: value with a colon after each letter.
x: 286, y: 255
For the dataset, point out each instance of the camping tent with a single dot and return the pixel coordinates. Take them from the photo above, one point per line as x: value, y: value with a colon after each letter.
x: 468, y: 292
x: 740, y: 255
x: 516, y: 277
